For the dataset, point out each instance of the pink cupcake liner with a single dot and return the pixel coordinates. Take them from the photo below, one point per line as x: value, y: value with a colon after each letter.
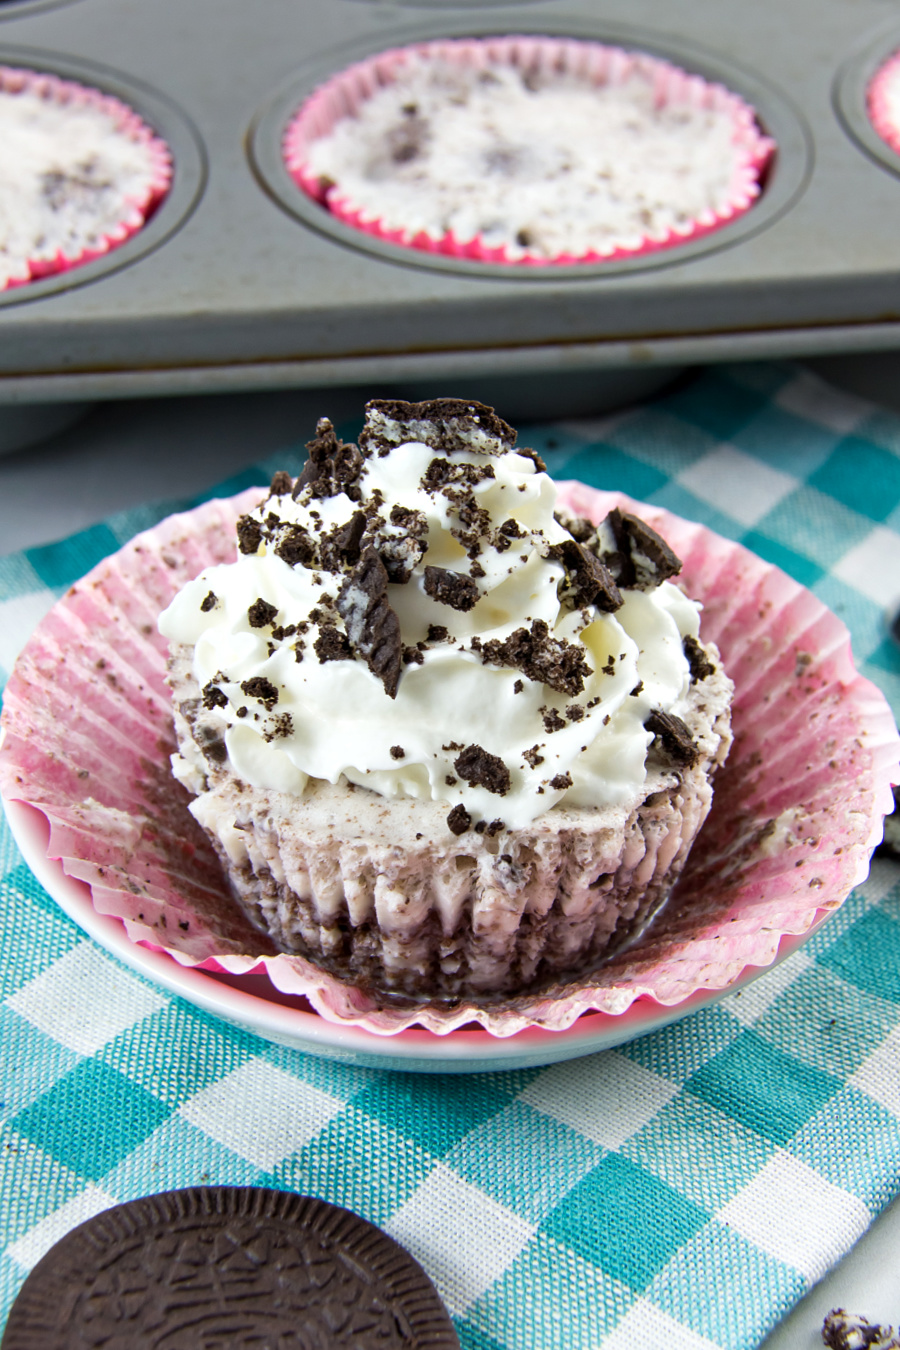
x: 137, y: 207
x: 343, y: 95
x: 883, y: 102
x: 798, y: 807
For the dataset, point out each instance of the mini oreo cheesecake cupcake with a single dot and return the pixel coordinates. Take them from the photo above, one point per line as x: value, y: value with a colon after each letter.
x: 447, y: 741
x: 527, y: 150
x: 80, y: 172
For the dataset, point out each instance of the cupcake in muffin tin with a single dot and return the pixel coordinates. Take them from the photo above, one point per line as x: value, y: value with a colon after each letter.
x: 529, y: 150
x: 81, y: 173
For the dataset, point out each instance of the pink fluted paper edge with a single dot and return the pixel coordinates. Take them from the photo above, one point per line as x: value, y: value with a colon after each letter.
x: 762, y: 868
x: 345, y: 91
x: 878, y: 101
x: 137, y: 209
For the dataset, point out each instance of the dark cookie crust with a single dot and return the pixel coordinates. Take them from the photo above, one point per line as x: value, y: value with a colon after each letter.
x: 235, y: 1266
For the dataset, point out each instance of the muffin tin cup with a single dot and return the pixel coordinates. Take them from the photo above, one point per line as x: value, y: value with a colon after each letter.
x: 88, y: 734
x: 136, y: 209
x: 175, y: 182
x: 346, y: 93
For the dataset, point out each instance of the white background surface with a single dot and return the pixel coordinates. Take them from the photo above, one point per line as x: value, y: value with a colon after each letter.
x: 123, y: 454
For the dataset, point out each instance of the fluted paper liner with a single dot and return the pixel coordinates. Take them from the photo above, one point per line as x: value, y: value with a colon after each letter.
x: 124, y: 121
x: 797, y: 810
x: 883, y: 100
x: 344, y: 94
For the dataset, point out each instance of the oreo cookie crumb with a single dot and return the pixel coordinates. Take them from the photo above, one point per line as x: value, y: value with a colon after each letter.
x: 539, y: 656
x: 249, y: 533
x: 330, y: 645
x: 561, y: 782
x: 209, y: 602
x: 842, y: 1330
x: 213, y: 697
x: 700, y: 664
x: 282, y: 484
x: 333, y: 466
x: 451, y: 588
x: 574, y: 712
x: 459, y: 820
x: 479, y: 768
x: 437, y: 633
x: 262, y: 689
x: 397, y: 752
x: 552, y: 720
x: 643, y: 559
x: 296, y: 548
x: 281, y: 726
x: 588, y: 581
x: 533, y: 757
x: 261, y: 613
x: 412, y: 656
x: 674, y: 737
x: 638, y: 689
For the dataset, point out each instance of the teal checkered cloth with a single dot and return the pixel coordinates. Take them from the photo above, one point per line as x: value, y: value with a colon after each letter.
x: 682, y: 1191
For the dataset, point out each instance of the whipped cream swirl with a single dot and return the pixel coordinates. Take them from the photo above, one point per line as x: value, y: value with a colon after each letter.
x: 412, y: 617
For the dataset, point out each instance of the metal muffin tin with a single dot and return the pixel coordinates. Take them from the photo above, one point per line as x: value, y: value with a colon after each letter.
x: 240, y: 282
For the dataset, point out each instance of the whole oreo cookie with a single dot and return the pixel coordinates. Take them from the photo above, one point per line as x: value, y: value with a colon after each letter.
x: 224, y: 1268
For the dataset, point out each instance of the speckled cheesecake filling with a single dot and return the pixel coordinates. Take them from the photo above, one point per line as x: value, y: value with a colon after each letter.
x: 381, y: 893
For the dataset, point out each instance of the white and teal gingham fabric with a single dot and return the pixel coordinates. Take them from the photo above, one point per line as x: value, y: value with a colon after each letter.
x: 680, y: 1192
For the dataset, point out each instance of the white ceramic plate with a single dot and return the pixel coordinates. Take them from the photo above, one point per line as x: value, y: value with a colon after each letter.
x: 253, y: 1003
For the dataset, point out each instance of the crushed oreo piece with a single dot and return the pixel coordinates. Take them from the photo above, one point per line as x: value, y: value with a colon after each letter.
x: 341, y: 548
x: 574, y: 712
x: 459, y: 820
x: 842, y: 1330
x: 494, y: 828
x: 579, y: 527
x: 262, y: 689
x: 212, y: 745
x: 642, y: 559
x: 279, y: 727
x: 333, y: 466
x: 479, y: 768
x: 330, y: 645
x: 527, y: 453
x: 373, y: 628
x: 213, y: 697
x: 442, y: 473
x: 412, y: 656
x: 588, y: 581
x: 540, y: 657
x: 444, y: 424
x: 261, y: 613
x: 552, y: 720
x: 437, y: 633
x: 282, y: 484
x: 674, y: 737
x: 533, y: 757
x: 397, y: 752
x: 249, y: 533
x: 699, y: 662
x: 561, y: 782
x: 451, y: 588
x: 296, y: 548
x: 208, y: 602
x: 638, y: 689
